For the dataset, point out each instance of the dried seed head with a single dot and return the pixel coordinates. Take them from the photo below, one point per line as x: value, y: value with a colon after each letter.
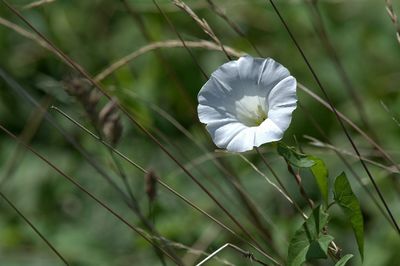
x: 109, y: 110
x: 110, y: 122
x: 77, y: 87
x: 83, y: 91
x: 151, y: 185
x: 108, y: 119
x: 112, y: 130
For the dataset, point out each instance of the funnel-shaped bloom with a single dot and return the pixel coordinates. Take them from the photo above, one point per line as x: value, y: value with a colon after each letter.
x: 247, y: 102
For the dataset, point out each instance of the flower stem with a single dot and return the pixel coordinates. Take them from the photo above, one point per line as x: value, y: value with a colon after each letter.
x: 297, y: 178
x: 282, y: 186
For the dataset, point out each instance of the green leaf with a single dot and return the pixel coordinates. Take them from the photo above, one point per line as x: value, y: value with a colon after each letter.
x: 344, y: 260
x: 294, y: 157
x: 320, y: 173
x: 346, y: 199
x: 301, y: 160
x: 319, y: 248
x: 309, y: 242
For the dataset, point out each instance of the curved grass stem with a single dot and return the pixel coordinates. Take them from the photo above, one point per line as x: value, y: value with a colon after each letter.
x: 339, y: 119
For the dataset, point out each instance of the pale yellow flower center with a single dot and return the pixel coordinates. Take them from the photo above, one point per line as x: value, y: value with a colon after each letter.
x: 251, y: 110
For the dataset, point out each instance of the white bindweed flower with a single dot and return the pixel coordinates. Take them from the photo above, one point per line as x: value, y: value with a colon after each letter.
x: 247, y: 102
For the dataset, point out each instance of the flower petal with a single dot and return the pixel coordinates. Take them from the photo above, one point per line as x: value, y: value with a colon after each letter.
x: 268, y: 131
x: 282, y: 102
x: 218, y: 95
x: 239, y: 95
x: 283, y: 94
x: 282, y: 117
x: 248, y: 76
x: 225, y: 77
x: 222, y: 133
x: 208, y: 114
x: 249, y: 68
x: 271, y: 73
x: 243, y: 141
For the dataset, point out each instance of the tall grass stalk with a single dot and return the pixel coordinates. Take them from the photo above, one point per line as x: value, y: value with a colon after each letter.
x: 81, y: 70
x: 85, y: 191
x: 34, y: 228
x: 339, y: 119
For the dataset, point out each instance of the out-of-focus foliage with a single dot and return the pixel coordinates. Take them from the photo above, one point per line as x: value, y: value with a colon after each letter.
x: 96, y: 34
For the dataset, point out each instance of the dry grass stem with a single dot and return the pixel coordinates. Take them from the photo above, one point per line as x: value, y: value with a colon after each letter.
x: 387, y: 110
x: 207, y: 237
x: 33, y: 227
x: 170, y: 189
x: 78, y: 68
x: 351, y: 124
x: 320, y: 144
x: 337, y: 116
x: 246, y: 254
x: 202, y: 23
x: 347, y: 164
x: 188, y: 249
x: 33, y: 37
x: 31, y: 127
x: 25, y: 33
x: 323, y: 34
x: 232, y: 24
x: 73, y: 181
x: 38, y: 4
x: 393, y: 18
x: 288, y: 198
x: 164, y: 44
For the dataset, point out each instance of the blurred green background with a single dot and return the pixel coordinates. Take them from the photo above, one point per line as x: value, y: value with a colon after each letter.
x: 97, y: 33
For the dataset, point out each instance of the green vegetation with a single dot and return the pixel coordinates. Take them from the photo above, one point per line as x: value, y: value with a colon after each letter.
x: 143, y: 154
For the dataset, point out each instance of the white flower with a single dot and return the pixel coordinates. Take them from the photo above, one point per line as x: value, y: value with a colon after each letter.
x: 247, y: 102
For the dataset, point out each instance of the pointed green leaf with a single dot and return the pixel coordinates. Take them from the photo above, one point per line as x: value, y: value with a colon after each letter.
x: 344, y: 260
x: 309, y: 242
x: 319, y: 248
x: 346, y: 199
x: 320, y: 173
x: 294, y: 157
